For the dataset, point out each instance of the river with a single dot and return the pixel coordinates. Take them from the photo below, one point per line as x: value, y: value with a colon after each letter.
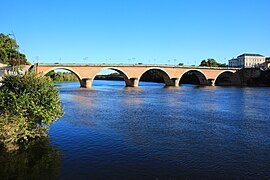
x: 151, y: 132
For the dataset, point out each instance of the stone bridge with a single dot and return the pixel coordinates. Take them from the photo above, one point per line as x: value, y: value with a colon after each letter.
x: 132, y: 73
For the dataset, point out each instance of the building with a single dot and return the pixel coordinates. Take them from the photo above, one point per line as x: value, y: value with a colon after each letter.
x: 234, y: 62
x: 248, y: 61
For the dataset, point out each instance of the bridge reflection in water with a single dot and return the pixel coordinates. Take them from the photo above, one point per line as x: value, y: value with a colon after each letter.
x: 132, y: 74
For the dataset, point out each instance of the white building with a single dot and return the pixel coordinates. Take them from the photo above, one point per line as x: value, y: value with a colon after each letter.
x: 248, y: 61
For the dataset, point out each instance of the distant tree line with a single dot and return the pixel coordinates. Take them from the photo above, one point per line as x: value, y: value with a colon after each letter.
x: 149, y: 76
x: 62, y: 76
x: 152, y: 76
x: 113, y: 76
x: 9, y: 53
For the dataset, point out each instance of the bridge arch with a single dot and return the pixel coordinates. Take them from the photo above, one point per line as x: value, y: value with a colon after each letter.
x: 165, y: 75
x: 202, y: 78
x: 65, y: 68
x: 227, y: 78
x: 120, y: 71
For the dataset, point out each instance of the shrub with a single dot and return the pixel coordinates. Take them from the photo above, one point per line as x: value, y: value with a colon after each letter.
x: 28, y: 105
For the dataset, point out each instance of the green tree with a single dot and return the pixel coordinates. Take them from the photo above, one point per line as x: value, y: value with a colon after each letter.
x: 223, y: 65
x: 210, y: 62
x: 28, y: 105
x: 204, y: 63
x: 9, y: 51
x: 7, y: 43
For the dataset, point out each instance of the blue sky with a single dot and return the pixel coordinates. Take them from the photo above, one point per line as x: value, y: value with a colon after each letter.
x: 133, y: 31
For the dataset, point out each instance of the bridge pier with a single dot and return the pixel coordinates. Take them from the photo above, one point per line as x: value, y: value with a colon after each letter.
x: 87, y: 82
x: 211, y: 82
x: 173, y: 82
x: 133, y: 82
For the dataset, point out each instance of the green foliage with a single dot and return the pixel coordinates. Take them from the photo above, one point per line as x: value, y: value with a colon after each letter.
x: 15, y: 57
x: 222, y: 65
x: 62, y: 76
x: 189, y: 78
x: 28, y: 105
x: 3, y: 56
x: 9, y: 51
x: 112, y: 76
x: 152, y: 76
x: 212, y: 63
x: 7, y: 43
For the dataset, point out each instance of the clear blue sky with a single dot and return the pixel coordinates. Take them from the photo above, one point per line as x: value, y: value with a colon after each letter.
x: 132, y: 31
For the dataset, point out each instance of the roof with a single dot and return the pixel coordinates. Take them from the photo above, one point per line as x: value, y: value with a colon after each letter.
x: 248, y: 54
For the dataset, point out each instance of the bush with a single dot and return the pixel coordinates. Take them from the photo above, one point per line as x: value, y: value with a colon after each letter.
x: 28, y: 105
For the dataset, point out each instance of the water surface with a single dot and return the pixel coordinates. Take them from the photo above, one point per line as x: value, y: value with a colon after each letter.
x: 151, y: 132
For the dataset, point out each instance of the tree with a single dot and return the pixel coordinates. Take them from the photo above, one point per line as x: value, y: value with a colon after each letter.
x: 210, y: 62
x: 7, y: 43
x: 9, y: 51
x: 204, y: 63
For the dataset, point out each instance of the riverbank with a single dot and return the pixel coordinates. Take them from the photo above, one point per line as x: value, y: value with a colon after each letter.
x: 254, y: 77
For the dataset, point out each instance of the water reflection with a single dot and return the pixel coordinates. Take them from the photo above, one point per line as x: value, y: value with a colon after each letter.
x: 133, y: 89
x: 39, y: 161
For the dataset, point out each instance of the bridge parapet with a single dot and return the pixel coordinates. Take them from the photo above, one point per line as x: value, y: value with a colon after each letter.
x: 132, y: 65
